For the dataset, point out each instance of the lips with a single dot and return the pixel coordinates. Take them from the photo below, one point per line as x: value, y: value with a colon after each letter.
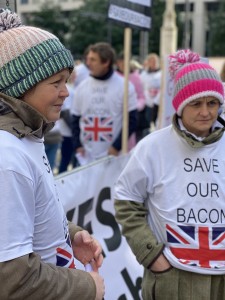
x: 58, y: 107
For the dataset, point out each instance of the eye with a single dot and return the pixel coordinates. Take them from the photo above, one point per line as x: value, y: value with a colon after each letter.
x: 213, y: 103
x: 56, y: 82
x: 195, y: 103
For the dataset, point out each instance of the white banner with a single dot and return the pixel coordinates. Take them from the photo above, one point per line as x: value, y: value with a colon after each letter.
x: 87, y: 196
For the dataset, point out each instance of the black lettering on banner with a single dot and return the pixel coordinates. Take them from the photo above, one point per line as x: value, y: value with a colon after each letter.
x: 134, y: 289
x: 107, y: 218
x: 70, y: 214
x: 83, y: 210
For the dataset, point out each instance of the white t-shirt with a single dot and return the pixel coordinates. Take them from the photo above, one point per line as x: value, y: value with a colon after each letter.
x: 82, y: 72
x: 32, y: 217
x: 184, y: 191
x: 100, y: 105
x: 151, y: 82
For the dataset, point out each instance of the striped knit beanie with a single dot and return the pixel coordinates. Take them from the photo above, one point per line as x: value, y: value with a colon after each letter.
x: 28, y: 55
x: 193, y: 79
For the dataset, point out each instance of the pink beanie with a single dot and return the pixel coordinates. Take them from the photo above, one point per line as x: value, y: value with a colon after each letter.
x: 193, y: 79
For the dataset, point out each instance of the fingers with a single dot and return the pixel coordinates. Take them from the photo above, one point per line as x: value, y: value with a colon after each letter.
x: 99, y: 260
x: 94, y: 265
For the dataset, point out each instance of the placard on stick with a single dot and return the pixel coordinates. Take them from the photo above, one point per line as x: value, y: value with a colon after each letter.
x: 10, y: 4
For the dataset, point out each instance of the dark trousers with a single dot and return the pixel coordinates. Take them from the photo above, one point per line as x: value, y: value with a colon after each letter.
x: 67, y: 154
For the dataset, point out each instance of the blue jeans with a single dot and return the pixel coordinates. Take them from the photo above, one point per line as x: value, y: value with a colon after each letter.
x: 67, y: 154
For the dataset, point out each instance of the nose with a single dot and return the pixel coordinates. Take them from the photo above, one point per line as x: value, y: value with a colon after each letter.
x: 204, y: 110
x: 88, y: 63
x: 64, y: 91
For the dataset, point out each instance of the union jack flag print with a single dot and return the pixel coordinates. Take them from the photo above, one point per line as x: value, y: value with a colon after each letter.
x: 198, y: 246
x: 98, y: 129
x: 64, y: 258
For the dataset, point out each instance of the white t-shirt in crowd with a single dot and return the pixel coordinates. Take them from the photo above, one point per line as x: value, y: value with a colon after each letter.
x: 151, y: 82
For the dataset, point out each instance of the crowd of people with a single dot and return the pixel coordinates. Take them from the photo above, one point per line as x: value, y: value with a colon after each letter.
x: 90, y: 126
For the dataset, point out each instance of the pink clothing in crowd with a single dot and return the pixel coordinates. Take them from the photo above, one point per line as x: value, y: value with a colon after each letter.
x: 135, y: 79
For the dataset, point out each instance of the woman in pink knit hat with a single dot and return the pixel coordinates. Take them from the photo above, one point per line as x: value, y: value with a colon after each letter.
x: 170, y: 196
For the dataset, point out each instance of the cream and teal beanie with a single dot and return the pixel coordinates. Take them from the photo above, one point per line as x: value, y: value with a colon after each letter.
x: 28, y: 55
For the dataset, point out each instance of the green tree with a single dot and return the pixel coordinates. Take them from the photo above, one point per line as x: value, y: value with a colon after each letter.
x: 50, y: 18
x: 216, y: 44
x: 157, y: 10
x: 90, y: 24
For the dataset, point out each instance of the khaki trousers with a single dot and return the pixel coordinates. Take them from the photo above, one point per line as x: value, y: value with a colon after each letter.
x: 176, y: 284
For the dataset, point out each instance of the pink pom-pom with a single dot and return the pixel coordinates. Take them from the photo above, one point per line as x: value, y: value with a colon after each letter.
x: 180, y: 58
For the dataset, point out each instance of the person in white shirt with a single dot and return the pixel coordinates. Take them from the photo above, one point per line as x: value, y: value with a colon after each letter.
x: 67, y: 156
x: 38, y: 246
x: 151, y: 80
x: 170, y: 196
x: 97, y: 109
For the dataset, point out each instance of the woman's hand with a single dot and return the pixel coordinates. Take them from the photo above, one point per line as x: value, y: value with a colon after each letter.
x: 87, y: 249
x: 161, y: 264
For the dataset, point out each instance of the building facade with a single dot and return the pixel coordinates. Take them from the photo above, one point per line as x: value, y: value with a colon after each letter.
x: 29, y: 6
x: 196, y: 11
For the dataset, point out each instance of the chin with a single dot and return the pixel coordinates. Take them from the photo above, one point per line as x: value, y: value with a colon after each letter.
x: 53, y: 118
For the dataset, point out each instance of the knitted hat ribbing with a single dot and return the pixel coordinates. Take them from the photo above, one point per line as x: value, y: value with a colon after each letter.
x: 28, y: 55
x: 193, y: 79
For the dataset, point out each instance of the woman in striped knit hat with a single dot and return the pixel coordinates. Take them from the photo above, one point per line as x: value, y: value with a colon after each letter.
x: 170, y: 198
x: 37, y: 246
